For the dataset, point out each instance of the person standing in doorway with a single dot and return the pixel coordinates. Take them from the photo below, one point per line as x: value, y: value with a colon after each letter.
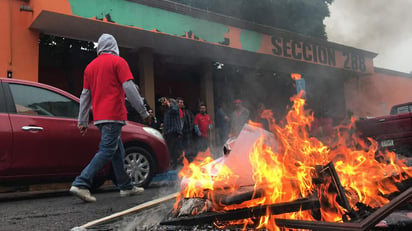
x: 261, y: 116
x: 107, y: 79
x: 203, y: 124
x: 187, y: 130
x: 222, y: 124
x: 238, y: 118
x: 172, y: 130
x: 153, y: 120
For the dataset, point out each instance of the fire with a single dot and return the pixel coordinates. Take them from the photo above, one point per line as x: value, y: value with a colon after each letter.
x: 288, y: 173
x: 296, y: 76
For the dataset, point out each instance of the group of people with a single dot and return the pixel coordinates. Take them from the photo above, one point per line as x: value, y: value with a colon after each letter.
x: 230, y: 124
x: 107, y: 80
x: 187, y: 133
x: 184, y: 132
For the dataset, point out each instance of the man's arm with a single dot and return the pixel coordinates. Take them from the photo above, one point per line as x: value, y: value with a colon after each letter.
x: 134, y: 98
x: 196, y: 126
x: 84, y: 110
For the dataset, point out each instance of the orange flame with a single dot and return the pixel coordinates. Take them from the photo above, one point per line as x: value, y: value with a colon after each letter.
x: 287, y: 173
x: 295, y: 76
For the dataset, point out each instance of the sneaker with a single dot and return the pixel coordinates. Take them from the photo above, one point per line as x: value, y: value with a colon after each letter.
x: 135, y: 190
x: 83, y: 194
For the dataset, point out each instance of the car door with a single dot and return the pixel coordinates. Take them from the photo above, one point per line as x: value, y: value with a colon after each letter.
x: 46, y: 138
x: 5, y: 135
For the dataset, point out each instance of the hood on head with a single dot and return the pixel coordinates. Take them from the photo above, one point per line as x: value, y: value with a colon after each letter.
x: 107, y: 44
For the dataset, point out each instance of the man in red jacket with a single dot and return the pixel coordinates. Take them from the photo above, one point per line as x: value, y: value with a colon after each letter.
x: 106, y: 81
x: 203, y: 124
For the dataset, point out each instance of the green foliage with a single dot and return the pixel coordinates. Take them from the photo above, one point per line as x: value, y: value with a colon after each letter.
x: 300, y: 16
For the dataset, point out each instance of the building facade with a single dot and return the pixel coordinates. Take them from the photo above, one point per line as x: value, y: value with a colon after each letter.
x: 174, y: 50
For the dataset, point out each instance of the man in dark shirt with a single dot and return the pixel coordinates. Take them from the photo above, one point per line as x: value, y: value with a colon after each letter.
x: 238, y: 118
x: 188, y: 124
x: 172, y: 130
x: 222, y: 122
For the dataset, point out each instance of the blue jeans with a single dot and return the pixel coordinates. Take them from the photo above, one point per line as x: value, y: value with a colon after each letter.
x: 110, y: 148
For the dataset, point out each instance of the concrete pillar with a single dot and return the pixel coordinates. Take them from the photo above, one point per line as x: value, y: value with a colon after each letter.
x: 207, y: 93
x: 206, y: 87
x: 146, y: 76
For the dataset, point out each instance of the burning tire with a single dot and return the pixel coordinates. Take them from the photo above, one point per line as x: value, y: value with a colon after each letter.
x: 139, y: 165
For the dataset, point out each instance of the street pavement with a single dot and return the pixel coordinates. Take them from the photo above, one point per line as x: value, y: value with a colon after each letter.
x: 61, y: 211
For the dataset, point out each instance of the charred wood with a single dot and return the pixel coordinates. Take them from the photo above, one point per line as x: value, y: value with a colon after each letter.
x: 254, y: 212
x: 243, y: 194
x: 330, y: 169
x: 365, y: 224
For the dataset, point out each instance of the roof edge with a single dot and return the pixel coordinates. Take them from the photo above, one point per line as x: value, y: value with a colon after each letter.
x: 392, y: 72
x: 228, y: 20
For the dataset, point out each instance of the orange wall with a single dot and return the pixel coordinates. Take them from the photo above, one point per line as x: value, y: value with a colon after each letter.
x: 375, y: 95
x: 5, y: 9
x: 19, y: 46
x: 19, y: 49
x: 59, y: 6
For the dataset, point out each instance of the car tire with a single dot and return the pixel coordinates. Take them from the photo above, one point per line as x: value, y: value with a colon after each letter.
x: 139, y: 165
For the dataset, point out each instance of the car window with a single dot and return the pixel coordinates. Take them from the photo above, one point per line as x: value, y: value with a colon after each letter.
x: 34, y: 101
x: 402, y: 109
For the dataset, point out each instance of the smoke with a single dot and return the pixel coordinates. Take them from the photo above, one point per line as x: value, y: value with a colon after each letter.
x: 380, y: 26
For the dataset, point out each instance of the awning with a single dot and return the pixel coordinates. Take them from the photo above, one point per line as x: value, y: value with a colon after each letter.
x: 80, y: 28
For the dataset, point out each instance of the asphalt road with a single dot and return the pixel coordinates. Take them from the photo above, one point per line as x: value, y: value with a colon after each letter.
x: 62, y: 211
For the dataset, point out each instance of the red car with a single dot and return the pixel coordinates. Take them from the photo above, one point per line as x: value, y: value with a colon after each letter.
x: 40, y: 141
x: 393, y: 132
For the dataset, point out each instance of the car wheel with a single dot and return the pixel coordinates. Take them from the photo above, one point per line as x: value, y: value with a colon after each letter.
x: 139, y: 165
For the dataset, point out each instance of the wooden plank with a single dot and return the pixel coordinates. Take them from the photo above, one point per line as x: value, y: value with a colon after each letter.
x: 365, y: 224
x: 131, y: 210
x: 254, y: 212
x: 336, y: 182
x: 387, y: 209
x: 317, y: 225
x: 241, y: 195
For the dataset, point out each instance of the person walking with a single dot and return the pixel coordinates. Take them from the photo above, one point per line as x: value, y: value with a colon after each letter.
x: 203, y: 124
x: 107, y: 79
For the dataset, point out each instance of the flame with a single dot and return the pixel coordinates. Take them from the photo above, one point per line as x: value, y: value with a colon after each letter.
x: 288, y: 173
x: 295, y: 76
